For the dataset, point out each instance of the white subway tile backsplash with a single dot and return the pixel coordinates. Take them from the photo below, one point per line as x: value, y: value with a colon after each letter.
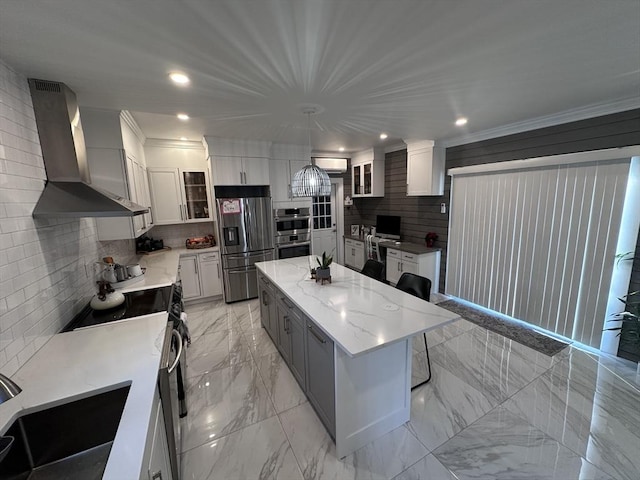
x: 43, y: 278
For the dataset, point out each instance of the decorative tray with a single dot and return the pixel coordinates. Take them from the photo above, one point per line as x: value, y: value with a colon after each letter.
x: 201, y: 242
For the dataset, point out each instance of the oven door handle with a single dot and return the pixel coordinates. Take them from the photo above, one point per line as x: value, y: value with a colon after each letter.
x: 286, y: 245
x: 178, y: 337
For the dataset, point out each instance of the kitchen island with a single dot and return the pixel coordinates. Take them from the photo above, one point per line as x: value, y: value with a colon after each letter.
x: 348, y: 344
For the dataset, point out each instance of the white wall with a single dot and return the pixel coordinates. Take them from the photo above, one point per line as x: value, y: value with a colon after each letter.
x: 43, y: 283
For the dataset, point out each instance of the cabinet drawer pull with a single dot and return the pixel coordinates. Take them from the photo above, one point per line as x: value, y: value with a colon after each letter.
x: 157, y: 475
x: 315, y: 334
x: 287, y: 327
x: 284, y: 300
x: 264, y: 298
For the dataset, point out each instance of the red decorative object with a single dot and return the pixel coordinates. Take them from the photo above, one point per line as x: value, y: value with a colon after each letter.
x: 430, y: 238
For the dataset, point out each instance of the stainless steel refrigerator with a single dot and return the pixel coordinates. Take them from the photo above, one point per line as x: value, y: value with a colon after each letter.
x: 245, y: 223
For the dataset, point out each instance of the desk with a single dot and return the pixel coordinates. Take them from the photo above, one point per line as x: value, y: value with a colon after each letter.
x: 371, y: 325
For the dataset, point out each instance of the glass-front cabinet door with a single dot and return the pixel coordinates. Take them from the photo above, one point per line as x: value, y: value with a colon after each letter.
x: 195, y: 185
x: 357, y: 186
x: 367, y: 178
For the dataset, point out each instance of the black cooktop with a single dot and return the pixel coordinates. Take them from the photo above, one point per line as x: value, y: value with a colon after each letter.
x: 137, y: 303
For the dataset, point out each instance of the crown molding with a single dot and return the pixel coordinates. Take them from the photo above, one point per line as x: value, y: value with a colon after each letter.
x: 168, y: 143
x: 126, y: 116
x: 567, y: 116
x: 395, y: 147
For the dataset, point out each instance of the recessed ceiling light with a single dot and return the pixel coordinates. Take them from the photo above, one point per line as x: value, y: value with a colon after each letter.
x: 179, y: 78
x: 183, y: 138
x: 383, y: 136
x: 183, y: 116
x: 341, y: 149
x: 461, y: 121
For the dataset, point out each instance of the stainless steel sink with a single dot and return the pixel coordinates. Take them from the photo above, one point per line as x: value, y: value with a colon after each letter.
x: 70, y: 441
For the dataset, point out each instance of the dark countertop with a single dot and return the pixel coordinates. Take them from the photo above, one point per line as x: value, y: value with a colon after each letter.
x: 408, y: 247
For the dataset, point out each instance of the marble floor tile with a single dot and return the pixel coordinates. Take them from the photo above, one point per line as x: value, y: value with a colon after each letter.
x: 498, y: 370
x: 209, y: 317
x: 259, y: 342
x: 224, y: 401
x: 419, y: 367
x: 260, y: 451
x: 502, y: 446
x: 216, y: 350
x: 281, y: 385
x: 247, y: 314
x: 427, y: 468
x: 442, y: 334
x: 443, y: 407
x: 315, y: 451
x: 587, y: 407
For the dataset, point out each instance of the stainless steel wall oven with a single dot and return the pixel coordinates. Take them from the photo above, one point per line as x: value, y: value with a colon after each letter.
x: 292, y: 232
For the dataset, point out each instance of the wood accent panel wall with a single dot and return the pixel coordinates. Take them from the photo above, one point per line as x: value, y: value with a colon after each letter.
x: 422, y: 214
x: 419, y: 214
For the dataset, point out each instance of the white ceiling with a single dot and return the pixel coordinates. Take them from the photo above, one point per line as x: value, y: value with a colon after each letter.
x: 406, y: 67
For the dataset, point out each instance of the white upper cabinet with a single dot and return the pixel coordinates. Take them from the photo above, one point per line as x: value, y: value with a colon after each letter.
x: 180, y: 195
x: 367, y: 173
x: 165, y: 195
x: 238, y: 162
x: 240, y: 170
x: 117, y: 164
x: 286, y: 160
x: 179, y: 178
x: 425, y: 168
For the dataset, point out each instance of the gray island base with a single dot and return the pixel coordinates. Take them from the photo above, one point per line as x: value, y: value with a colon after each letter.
x: 348, y: 344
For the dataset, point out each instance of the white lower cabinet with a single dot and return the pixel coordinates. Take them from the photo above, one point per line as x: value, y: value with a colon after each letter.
x: 353, y: 254
x: 200, y: 275
x: 158, y: 466
x: 210, y: 276
x: 190, y: 276
x: 426, y: 265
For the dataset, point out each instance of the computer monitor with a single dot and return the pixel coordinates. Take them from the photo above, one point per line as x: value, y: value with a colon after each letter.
x: 388, y: 226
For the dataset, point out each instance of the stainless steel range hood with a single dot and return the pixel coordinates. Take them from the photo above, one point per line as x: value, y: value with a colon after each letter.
x: 68, y: 192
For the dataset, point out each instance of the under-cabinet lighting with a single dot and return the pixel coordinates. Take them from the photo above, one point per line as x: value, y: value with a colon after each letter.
x: 341, y: 149
x: 183, y: 139
x: 383, y: 136
x: 461, y: 121
x: 183, y: 116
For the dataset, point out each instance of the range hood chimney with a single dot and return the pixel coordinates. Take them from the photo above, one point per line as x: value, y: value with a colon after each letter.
x: 67, y: 192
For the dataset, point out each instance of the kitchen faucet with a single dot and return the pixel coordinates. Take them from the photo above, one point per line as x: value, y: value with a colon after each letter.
x: 8, y: 389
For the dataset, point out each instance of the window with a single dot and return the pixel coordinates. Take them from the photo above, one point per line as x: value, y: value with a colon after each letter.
x: 322, y: 212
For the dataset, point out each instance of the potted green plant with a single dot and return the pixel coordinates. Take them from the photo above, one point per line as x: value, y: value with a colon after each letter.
x: 629, y: 328
x: 323, y: 272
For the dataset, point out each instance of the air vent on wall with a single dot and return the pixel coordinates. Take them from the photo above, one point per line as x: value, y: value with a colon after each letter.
x: 45, y: 86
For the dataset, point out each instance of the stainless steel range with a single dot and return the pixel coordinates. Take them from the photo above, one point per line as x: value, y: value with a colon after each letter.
x: 173, y: 365
x: 292, y: 232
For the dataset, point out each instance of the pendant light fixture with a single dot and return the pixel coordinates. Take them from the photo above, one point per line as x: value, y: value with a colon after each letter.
x: 311, y: 181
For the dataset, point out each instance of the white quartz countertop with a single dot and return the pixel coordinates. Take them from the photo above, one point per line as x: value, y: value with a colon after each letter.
x: 359, y: 313
x: 161, y: 268
x: 93, y: 360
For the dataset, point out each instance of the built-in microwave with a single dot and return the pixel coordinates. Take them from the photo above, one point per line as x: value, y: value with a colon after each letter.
x: 292, y: 232
x: 291, y: 221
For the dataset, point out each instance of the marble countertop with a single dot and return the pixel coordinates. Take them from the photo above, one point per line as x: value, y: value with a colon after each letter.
x: 359, y: 313
x: 408, y: 247
x: 161, y: 268
x: 93, y: 360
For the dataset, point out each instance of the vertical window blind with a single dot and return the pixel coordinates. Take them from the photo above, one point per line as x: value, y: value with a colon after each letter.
x: 536, y: 239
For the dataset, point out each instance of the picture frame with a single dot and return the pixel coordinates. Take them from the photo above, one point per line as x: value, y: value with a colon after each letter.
x: 355, y: 230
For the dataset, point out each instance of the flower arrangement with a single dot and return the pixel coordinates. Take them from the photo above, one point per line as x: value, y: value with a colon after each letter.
x: 430, y: 238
